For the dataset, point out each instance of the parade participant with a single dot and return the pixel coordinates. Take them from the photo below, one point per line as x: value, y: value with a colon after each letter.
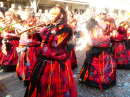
x: 99, y: 67
x: 4, y: 9
x: 72, y: 54
x: 1, y: 26
x: 10, y: 42
x: 12, y: 8
x: 71, y: 21
x: 39, y: 14
x: 19, y: 10
x: 28, y: 49
x: 46, y: 16
x: 120, y: 45
x: 52, y: 75
x: 1, y: 15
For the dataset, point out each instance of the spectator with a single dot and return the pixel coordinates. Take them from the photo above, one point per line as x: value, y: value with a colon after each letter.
x: 12, y: 8
x: 3, y: 9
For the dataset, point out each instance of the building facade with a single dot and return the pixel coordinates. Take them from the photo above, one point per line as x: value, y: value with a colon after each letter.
x: 114, y: 6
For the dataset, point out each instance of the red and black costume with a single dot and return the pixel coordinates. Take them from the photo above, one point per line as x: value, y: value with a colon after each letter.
x: 28, y: 50
x: 1, y: 38
x: 52, y: 75
x: 72, y: 54
x: 99, y: 67
x: 9, y: 55
x: 120, y: 46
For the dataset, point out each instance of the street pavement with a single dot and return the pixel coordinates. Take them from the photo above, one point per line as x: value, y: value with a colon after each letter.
x: 13, y: 87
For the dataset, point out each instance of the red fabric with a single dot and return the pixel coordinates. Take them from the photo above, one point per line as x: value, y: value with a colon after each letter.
x: 120, y: 54
x: 72, y: 58
x: 101, y: 41
x: 119, y: 37
x: 57, y: 78
x: 52, y: 48
x: 99, y: 68
x: 106, y: 69
x: 120, y: 51
x: 11, y: 57
x: 27, y: 61
x: 28, y: 58
x: 62, y: 85
x: 100, y: 38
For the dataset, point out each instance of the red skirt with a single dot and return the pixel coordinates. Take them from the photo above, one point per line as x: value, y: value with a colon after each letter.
x: 51, y: 78
x: 99, y: 71
x: 121, y: 54
x: 9, y: 61
x: 26, y: 63
x: 72, y: 58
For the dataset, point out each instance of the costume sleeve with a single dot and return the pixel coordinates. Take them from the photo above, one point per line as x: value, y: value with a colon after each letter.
x: 56, y: 39
x: 25, y: 41
x: 119, y: 34
x: 99, y: 39
x: 46, y: 35
x: 9, y: 34
x: 60, y: 39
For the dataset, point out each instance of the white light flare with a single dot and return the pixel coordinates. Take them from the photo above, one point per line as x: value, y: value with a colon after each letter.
x: 82, y: 42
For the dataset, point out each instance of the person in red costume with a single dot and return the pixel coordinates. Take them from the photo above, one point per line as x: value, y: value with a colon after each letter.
x: 10, y: 41
x: 29, y: 48
x: 99, y: 68
x: 120, y: 46
x: 52, y: 75
x: 72, y: 54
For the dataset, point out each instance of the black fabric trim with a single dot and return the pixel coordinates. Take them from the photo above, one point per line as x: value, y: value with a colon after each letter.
x: 38, y: 72
x: 19, y: 77
x: 9, y: 67
x: 122, y: 66
x: 32, y: 45
x: 60, y: 61
x: 73, y: 67
x: 104, y: 86
x: 47, y: 38
x: 96, y: 51
x: 35, y: 77
x: 39, y: 38
x: 65, y: 30
x: 128, y: 42
x: 26, y: 83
